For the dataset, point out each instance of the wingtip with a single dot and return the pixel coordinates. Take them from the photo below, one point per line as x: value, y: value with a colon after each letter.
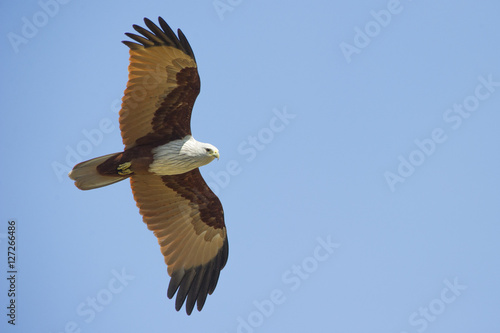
x: 161, y: 20
x: 163, y: 35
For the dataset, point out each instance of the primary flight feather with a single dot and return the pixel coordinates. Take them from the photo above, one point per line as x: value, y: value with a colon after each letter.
x: 162, y: 158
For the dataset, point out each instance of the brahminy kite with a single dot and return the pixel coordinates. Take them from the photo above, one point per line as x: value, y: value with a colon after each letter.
x: 161, y: 158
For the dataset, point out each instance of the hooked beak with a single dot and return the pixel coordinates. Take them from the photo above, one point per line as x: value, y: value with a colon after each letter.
x: 216, y: 154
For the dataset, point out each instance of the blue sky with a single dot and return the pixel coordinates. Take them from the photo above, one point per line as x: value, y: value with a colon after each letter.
x: 359, y: 166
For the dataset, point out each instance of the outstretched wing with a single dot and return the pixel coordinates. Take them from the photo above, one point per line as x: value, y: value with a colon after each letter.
x: 162, y: 86
x: 188, y: 220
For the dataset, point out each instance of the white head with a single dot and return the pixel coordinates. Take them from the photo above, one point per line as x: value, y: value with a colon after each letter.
x: 202, y: 153
x: 210, y: 152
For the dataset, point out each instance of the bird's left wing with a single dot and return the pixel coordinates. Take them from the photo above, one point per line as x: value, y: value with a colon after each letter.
x: 188, y: 220
x: 163, y: 84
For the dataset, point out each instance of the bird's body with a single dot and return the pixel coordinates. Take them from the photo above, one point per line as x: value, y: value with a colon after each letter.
x: 162, y: 158
x: 181, y: 156
x: 172, y: 158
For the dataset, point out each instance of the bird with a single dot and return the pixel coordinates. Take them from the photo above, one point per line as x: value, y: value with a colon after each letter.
x: 162, y: 160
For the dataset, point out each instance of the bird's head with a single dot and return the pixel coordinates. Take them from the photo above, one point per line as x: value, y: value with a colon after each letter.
x: 211, y: 151
x: 199, y: 152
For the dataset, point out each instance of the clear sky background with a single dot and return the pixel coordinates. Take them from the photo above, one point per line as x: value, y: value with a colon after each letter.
x: 359, y: 166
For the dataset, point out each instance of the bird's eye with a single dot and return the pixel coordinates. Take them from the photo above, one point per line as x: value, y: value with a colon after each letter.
x: 208, y: 150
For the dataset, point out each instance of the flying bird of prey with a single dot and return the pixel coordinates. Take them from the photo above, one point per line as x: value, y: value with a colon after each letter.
x: 162, y: 158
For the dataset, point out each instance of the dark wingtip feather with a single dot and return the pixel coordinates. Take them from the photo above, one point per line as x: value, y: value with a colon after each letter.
x: 144, y: 41
x: 197, y: 282
x: 186, y: 284
x: 195, y: 288
x: 131, y: 45
x: 159, y: 36
x: 185, y: 44
x: 175, y: 281
x: 203, y: 289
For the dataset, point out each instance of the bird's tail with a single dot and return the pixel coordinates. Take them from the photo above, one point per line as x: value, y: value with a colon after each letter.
x: 87, y: 177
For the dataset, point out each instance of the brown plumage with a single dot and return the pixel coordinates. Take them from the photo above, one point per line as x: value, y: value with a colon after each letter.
x: 163, y: 84
x: 174, y: 200
x: 195, y: 268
